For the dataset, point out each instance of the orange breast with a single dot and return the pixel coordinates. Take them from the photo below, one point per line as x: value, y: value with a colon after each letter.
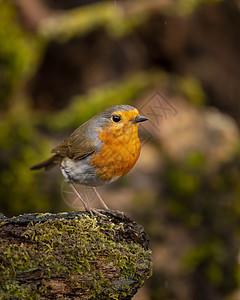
x: 118, y: 154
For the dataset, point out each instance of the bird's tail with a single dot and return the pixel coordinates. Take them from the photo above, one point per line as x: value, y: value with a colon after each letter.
x: 47, y: 164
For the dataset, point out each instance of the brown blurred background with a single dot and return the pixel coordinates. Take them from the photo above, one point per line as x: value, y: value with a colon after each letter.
x: 178, y: 62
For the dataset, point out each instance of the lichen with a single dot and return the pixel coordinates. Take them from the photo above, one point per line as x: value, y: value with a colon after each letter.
x: 83, y: 251
x: 83, y: 107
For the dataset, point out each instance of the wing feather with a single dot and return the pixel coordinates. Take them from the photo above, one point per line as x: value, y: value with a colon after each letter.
x: 79, y: 145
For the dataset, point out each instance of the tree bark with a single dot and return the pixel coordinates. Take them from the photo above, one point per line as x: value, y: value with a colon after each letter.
x: 72, y: 256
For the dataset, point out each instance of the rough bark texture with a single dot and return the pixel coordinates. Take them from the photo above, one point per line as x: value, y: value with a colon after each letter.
x: 72, y: 256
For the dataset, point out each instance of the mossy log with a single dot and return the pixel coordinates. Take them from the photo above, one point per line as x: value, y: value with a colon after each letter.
x: 72, y: 256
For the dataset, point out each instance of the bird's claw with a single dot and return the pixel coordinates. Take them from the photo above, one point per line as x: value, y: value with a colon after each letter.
x: 101, y: 212
x: 94, y: 211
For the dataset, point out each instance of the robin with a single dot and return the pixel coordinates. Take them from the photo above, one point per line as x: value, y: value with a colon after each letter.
x: 100, y: 151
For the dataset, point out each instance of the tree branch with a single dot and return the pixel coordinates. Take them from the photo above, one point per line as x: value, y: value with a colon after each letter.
x: 69, y: 255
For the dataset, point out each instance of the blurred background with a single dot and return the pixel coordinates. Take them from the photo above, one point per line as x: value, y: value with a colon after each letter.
x: 178, y: 62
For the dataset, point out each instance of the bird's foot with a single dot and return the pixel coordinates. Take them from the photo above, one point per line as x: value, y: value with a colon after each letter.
x: 118, y: 212
x: 101, y: 212
x: 97, y: 212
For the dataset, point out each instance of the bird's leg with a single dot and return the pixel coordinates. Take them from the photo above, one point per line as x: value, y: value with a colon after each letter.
x: 100, y: 198
x: 79, y: 196
x: 104, y: 204
x: 87, y: 208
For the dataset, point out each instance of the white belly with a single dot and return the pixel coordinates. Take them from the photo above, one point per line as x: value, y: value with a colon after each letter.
x: 81, y: 172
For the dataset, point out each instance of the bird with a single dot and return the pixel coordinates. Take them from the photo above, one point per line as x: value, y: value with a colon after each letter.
x: 100, y: 151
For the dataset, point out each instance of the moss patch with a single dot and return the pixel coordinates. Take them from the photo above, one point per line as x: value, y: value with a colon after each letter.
x: 84, y: 256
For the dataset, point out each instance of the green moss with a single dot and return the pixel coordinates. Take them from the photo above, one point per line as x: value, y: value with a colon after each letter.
x: 212, y: 252
x: 184, y: 181
x: 118, y: 21
x: 187, y: 7
x: 19, y: 52
x: 84, y: 107
x: 191, y: 88
x: 77, y: 250
x: 81, y: 21
x: 20, y: 147
x: 207, y: 206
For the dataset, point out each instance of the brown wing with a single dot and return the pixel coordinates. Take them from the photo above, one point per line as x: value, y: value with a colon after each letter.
x: 78, y: 145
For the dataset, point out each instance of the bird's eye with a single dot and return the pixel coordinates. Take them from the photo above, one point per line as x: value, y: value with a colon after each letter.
x: 116, y: 119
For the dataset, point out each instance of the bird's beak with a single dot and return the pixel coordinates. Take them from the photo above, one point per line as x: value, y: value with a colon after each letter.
x: 139, y: 119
